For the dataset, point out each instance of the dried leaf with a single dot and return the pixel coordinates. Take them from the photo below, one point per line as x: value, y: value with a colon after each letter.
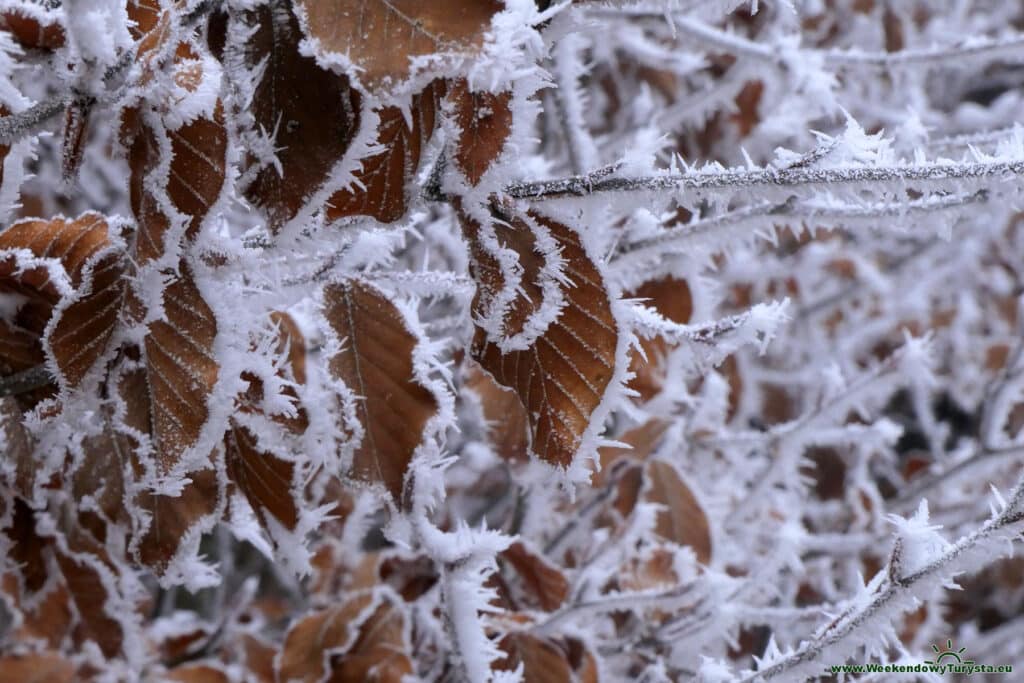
x: 684, y: 521
x: 33, y: 25
x: 642, y: 439
x: 265, y: 478
x: 381, y: 184
x: 181, y: 369
x: 38, y: 667
x: 671, y: 297
x: 193, y: 183
x: 381, y: 653
x: 562, y: 377
x: 377, y: 364
x: 382, y: 38
x: 87, y: 310
x: 313, y: 642
x: 28, y: 549
x: 485, y: 122
x: 543, y: 660
x: 507, y: 426
x: 197, y: 673
x: 82, y: 576
x: 312, y: 113
x: 172, y: 517
x: 544, y: 583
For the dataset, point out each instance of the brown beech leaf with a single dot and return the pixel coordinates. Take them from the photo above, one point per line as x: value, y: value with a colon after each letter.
x: 382, y: 37
x: 544, y: 583
x: 655, y: 569
x: 89, y: 312
x: 507, y: 424
x: 197, y: 673
x: 313, y: 641
x: 683, y: 521
x: 485, y: 122
x: 549, y: 661
x: 312, y: 113
x: 174, y: 516
x: 37, y: 667
x: 381, y: 652
x: 181, y: 369
x: 28, y: 549
x: 82, y: 576
x: 376, y: 363
x: 194, y: 179
x: 641, y: 440
x: 33, y: 25
x: 155, y: 406
x: 562, y: 377
x: 381, y: 190
x: 671, y: 297
x: 264, y: 478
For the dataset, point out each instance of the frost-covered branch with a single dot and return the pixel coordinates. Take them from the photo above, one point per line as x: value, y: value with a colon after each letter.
x: 894, y: 589
x: 863, y: 178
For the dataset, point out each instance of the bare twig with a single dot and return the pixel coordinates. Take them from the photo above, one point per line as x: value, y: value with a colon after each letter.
x: 25, y: 381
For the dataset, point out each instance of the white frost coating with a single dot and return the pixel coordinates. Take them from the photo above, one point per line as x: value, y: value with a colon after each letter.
x: 921, y: 544
x: 98, y: 31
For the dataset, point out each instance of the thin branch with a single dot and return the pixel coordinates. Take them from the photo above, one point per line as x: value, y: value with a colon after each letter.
x: 16, y: 126
x: 894, y: 585
x: 25, y: 381
x: 806, y: 211
x: 585, y: 185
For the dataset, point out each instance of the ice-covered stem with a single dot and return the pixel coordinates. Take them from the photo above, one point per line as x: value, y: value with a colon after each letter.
x: 569, y: 100
x: 840, y: 215
x: 25, y: 381
x: 881, y: 176
x: 895, y: 585
x: 14, y: 127
x: 1009, y: 48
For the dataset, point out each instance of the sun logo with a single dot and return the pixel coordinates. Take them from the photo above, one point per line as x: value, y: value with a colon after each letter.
x: 948, y: 653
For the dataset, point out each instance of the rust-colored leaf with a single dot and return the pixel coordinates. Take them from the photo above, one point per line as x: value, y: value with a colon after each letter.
x: 87, y: 308
x: 655, y: 569
x: 312, y: 113
x: 381, y: 187
x: 544, y: 583
x: 381, y: 652
x: 33, y: 25
x: 507, y: 425
x: 181, y: 369
x: 641, y: 440
x: 194, y: 179
x: 265, y: 478
x: 82, y: 576
x: 671, y: 297
x: 172, y: 517
x: 313, y: 641
x: 562, y: 376
x: 382, y: 37
x: 376, y: 363
x: 197, y: 673
x: 28, y: 549
x: 683, y: 521
x: 38, y: 667
x: 485, y: 122
x: 549, y: 661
